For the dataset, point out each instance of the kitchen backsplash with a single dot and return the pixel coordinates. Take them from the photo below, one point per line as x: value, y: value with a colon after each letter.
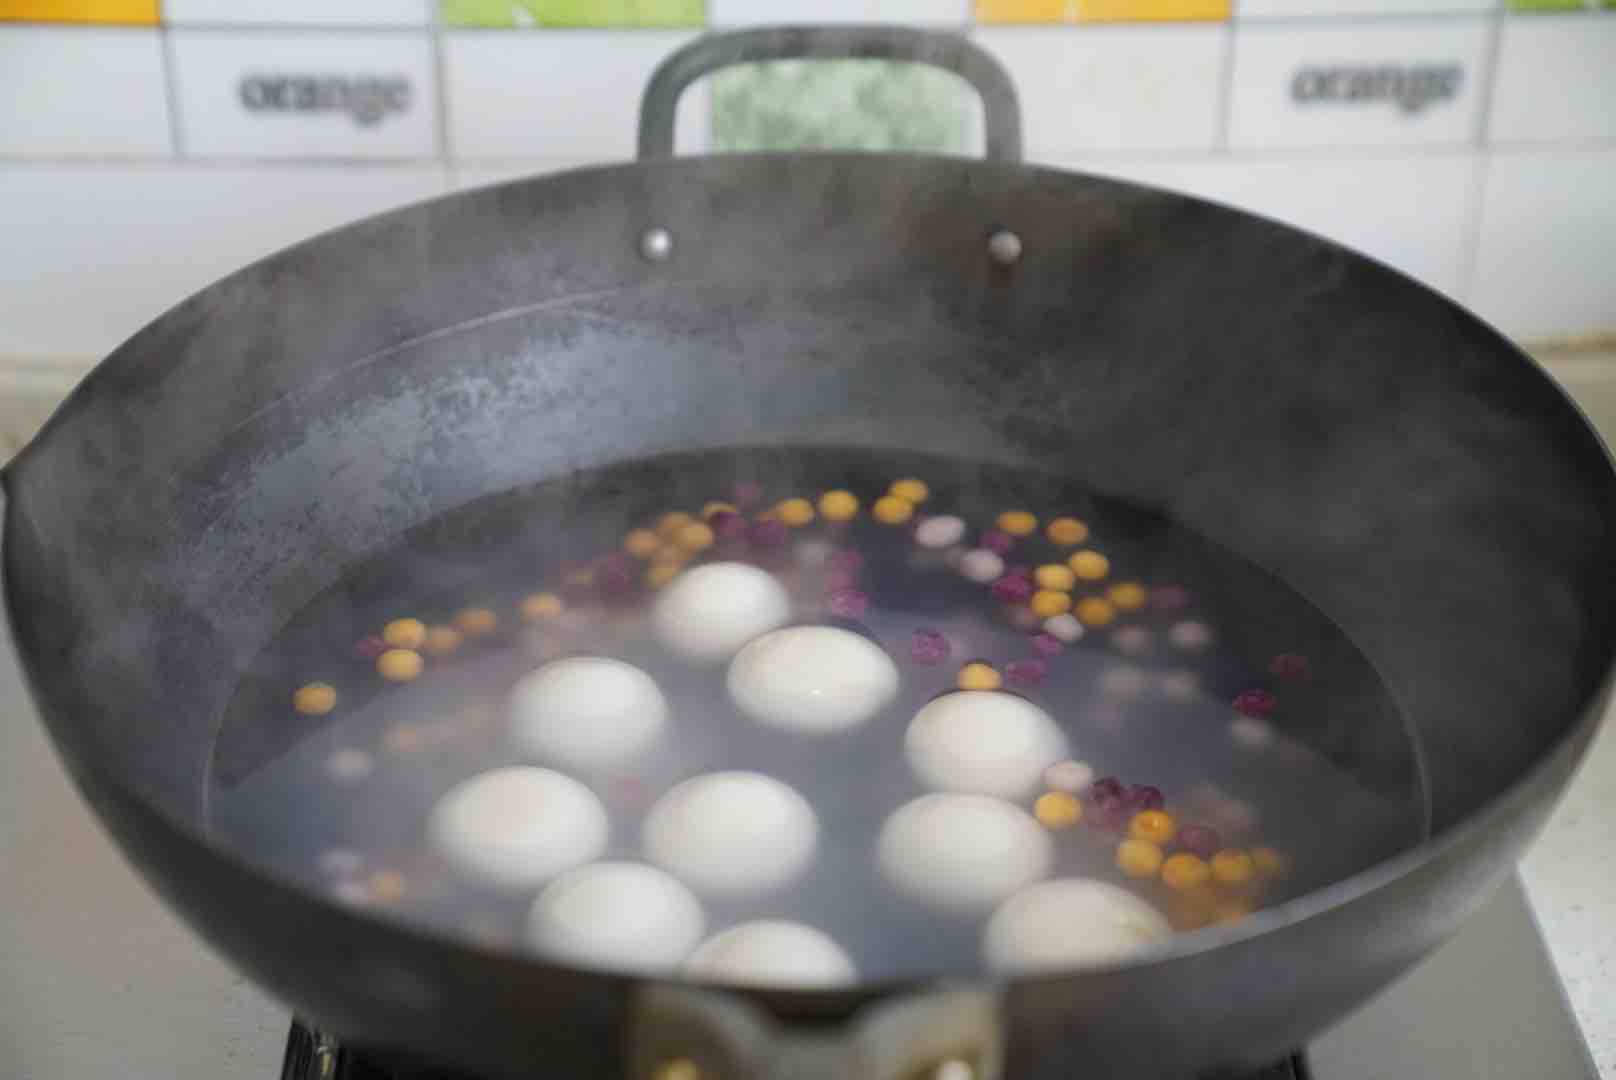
x: 147, y: 148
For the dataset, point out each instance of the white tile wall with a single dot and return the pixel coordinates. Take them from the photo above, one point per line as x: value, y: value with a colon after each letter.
x: 299, y: 12
x: 1412, y: 212
x: 722, y: 13
x: 1275, y: 61
x: 212, y: 70
x: 82, y: 91
x: 1556, y: 79
x: 1114, y: 87
x: 111, y: 248
x: 1548, y: 234
x: 465, y: 177
x: 572, y: 94
x: 1286, y: 8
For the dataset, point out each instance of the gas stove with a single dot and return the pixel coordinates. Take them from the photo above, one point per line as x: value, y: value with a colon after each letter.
x: 1488, y: 1006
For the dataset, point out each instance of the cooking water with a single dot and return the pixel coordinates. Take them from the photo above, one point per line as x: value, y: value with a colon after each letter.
x: 809, y: 717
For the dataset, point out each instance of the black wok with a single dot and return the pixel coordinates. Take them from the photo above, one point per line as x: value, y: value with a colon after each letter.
x: 1391, y: 457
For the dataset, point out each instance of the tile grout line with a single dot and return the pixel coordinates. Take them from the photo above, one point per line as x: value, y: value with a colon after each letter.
x: 1470, y: 241
x: 1221, y: 137
x: 445, y: 152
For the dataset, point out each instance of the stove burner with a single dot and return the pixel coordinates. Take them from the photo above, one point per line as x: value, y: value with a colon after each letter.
x: 311, y: 1055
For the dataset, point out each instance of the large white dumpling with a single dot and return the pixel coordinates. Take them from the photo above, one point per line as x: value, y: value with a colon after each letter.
x: 962, y: 852
x: 517, y: 827
x: 812, y: 679
x: 708, y: 613
x: 983, y: 741
x: 1068, y: 923
x: 772, y: 953
x: 587, y: 712
x: 732, y: 834
x: 621, y: 916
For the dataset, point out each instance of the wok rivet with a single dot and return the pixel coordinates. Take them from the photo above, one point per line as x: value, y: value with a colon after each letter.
x: 656, y: 244
x: 1004, y: 246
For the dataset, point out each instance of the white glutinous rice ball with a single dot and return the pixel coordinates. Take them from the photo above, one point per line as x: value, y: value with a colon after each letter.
x: 517, y: 827
x: 943, y: 531
x: 732, y: 834
x: 981, y: 566
x: 962, y: 852
x: 1067, y: 923
x: 708, y: 613
x: 812, y: 679
x: 772, y: 953
x: 622, y: 916
x: 984, y: 741
x: 587, y: 712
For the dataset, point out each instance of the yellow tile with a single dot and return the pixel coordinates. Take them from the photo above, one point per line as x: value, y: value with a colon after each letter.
x: 141, y: 12
x: 1152, y: 10
x: 1026, y: 11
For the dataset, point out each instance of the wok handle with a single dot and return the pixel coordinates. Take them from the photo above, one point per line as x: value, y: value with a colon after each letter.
x: 1001, y: 113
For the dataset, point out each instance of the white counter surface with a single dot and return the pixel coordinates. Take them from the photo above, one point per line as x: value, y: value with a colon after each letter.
x: 97, y: 979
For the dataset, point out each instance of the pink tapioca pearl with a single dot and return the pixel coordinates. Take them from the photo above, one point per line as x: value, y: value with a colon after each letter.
x: 928, y: 647
x: 1258, y: 703
x: 1290, y: 667
x: 998, y: 541
x: 1046, y: 644
x: 1028, y: 672
x: 369, y: 647
x: 1012, y: 589
x: 847, y: 603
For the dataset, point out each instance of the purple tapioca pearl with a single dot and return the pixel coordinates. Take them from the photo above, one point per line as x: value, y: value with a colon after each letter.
x: 614, y: 576
x: 1200, y: 840
x: 1046, y: 644
x: 1291, y: 667
x: 369, y: 647
x: 1257, y: 703
x: 768, y: 534
x: 1028, y: 672
x: 1106, y: 792
x: 847, y: 603
x: 727, y: 525
x: 1169, y: 598
x: 928, y: 647
x: 1145, y: 797
x: 748, y: 492
x: 1012, y: 589
x: 998, y: 541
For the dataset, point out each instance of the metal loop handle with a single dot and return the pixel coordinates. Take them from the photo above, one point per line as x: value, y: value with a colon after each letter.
x: 1001, y: 113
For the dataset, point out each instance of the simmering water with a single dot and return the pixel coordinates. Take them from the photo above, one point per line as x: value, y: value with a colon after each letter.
x: 1203, y: 685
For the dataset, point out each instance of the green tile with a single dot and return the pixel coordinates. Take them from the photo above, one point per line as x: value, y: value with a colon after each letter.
x: 574, y: 12
x: 1549, y: 5
x: 839, y: 104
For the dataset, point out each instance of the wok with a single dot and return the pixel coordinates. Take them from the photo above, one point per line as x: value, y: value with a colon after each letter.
x: 1384, y: 452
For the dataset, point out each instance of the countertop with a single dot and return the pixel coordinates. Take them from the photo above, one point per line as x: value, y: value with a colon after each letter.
x: 97, y: 979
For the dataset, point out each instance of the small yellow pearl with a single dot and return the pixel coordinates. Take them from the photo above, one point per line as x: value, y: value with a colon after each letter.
x: 1047, y: 603
x: 386, y: 886
x: 1017, y: 522
x: 979, y: 676
x: 1139, y: 858
x: 1057, y: 810
x: 1066, y: 531
x: 315, y: 699
x: 404, y: 633
x: 717, y: 507
x: 892, y: 510
x: 670, y: 555
x: 476, y: 621
x: 1233, y: 867
x: 1126, y: 595
x: 1091, y: 611
x: 399, y: 665
x: 669, y: 524
x: 1157, y: 826
x: 1089, y: 565
x: 910, y: 490
x: 795, y: 512
x: 542, y: 605
x: 1192, y: 906
x: 640, y: 543
x: 838, y: 505
x: 1269, y: 862
x: 1055, y: 576
x: 661, y: 573
x: 1231, y: 911
x: 697, y: 536
x: 441, y: 640
x: 1185, y: 871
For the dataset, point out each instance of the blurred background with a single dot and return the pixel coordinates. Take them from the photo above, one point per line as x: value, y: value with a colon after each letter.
x: 149, y: 146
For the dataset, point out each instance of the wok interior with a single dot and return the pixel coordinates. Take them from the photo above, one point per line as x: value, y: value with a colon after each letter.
x: 1385, y: 455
